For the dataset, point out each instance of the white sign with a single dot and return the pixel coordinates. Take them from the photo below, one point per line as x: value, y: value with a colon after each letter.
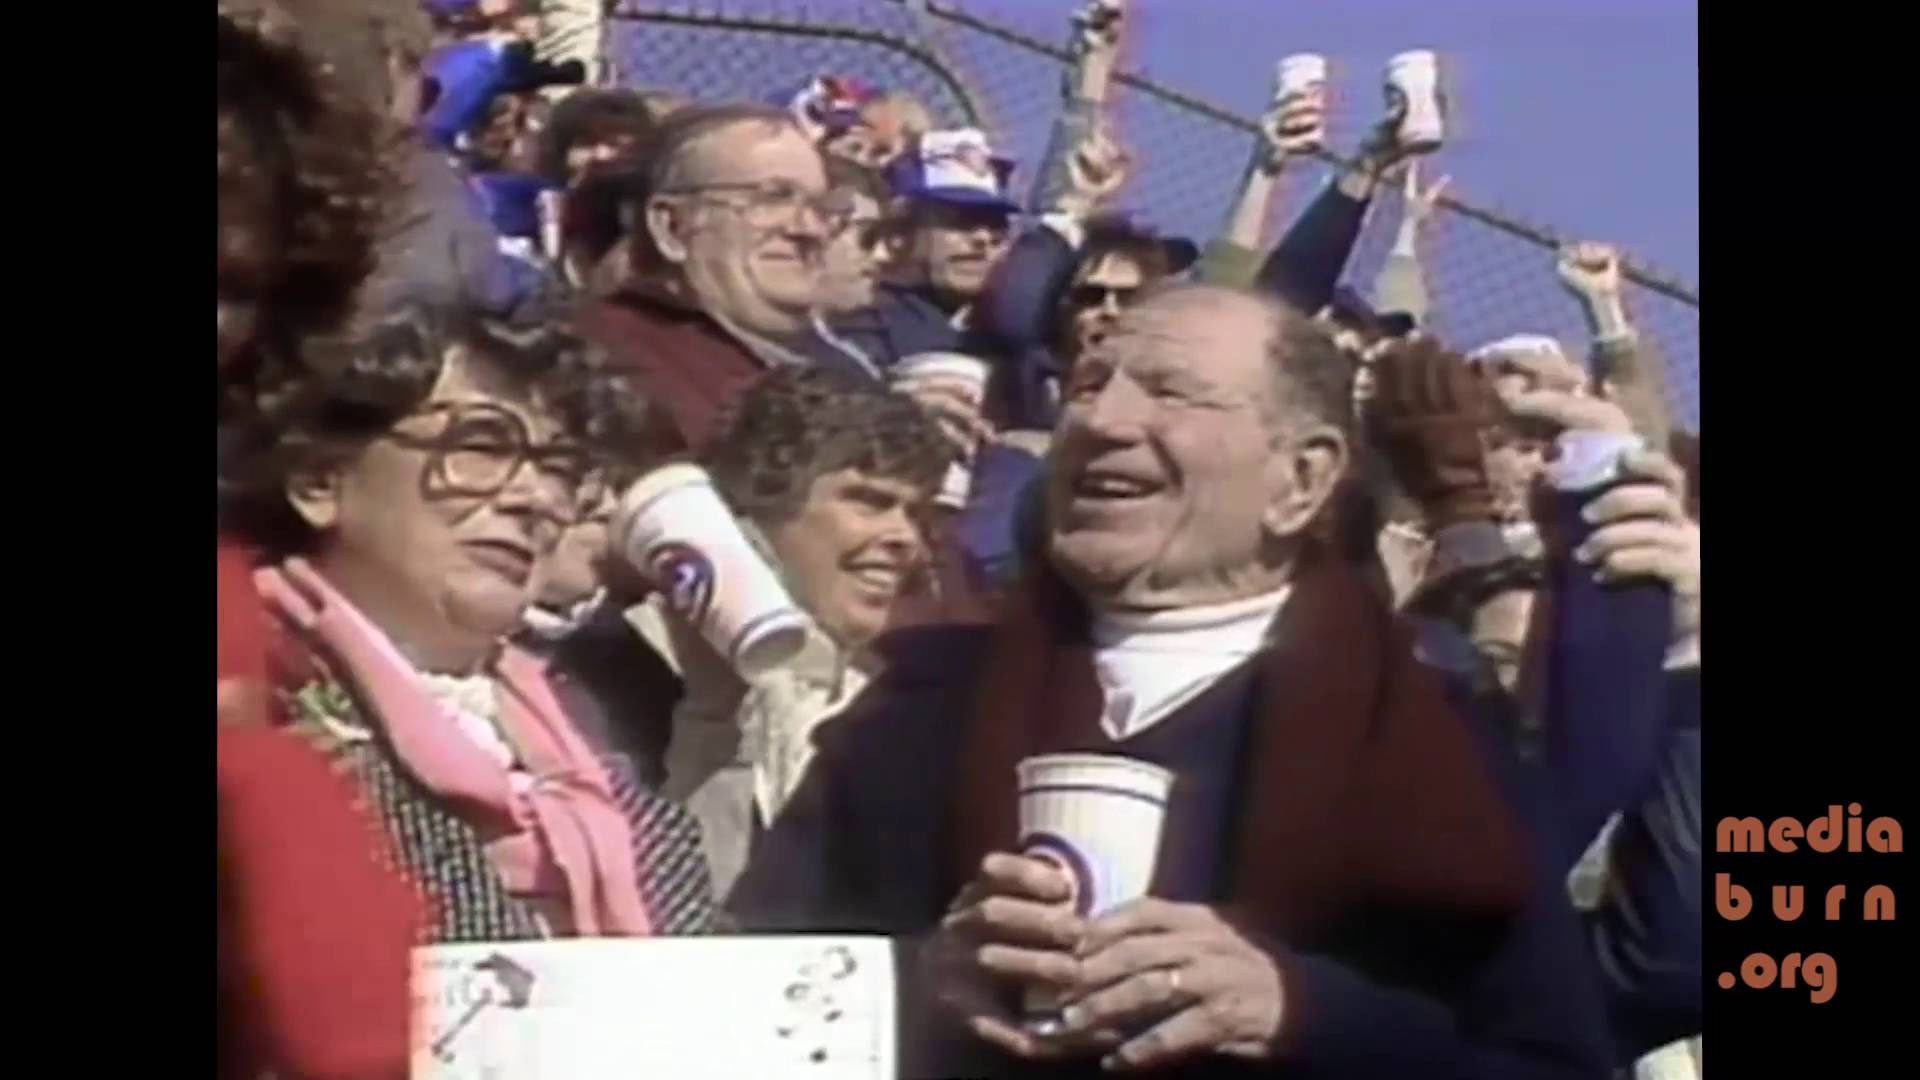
x: 688, y: 1008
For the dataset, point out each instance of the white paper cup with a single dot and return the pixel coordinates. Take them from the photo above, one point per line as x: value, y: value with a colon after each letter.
x: 1413, y: 92
x: 674, y: 527
x: 1301, y: 73
x: 552, y: 207
x: 966, y: 378
x: 966, y: 375
x: 1097, y: 818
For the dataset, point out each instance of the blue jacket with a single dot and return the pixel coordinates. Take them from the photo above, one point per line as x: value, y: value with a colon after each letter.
x: 469, y: 74
x: 1304, y: 268
x: 1606, y: 719
x: 1016, y: 315
x: 1622, y: 737
x: 903, y: 321
x: 1647, y: 934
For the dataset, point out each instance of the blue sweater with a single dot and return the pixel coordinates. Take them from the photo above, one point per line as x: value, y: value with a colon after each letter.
x: 1622, y: 736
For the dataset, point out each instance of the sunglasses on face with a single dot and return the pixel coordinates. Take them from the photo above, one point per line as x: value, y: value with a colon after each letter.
x: 1086, y: 296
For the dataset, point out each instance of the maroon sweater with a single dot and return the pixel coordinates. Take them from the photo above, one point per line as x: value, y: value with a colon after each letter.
x: 685, y: 364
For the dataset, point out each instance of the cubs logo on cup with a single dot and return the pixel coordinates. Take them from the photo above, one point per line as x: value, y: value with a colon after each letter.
x: 684, y: 576
x: 1058, y: 851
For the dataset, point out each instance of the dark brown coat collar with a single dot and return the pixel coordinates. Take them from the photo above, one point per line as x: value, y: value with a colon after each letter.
x: 1366, y: 786
x: 682, y: 360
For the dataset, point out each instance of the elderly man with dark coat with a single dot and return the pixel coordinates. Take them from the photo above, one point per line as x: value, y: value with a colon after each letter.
x: 1355, y: 879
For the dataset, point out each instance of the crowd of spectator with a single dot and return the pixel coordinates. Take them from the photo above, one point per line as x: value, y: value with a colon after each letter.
x: 1415, y: 624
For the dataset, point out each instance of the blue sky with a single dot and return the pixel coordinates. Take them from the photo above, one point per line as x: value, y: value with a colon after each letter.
x: 1581, y: 114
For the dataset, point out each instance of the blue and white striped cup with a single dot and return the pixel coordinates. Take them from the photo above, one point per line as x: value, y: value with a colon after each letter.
x: 1096, y: 817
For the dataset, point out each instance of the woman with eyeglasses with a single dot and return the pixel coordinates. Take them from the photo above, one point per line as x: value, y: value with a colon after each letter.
x: 406, y: 491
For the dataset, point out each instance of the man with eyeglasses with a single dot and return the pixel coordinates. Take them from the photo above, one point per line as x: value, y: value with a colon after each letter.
x: 727, y: 244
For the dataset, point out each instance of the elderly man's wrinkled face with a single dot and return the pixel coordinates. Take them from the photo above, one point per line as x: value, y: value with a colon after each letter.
x: 851, y: 259
x: 852, y: 547
x: 956, y: 247
x: 742, y: 218
x: 1177, y: 477
x: 435, y: 529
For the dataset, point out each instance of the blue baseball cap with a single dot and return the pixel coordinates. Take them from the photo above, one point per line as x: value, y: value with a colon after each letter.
x: 955, y: 167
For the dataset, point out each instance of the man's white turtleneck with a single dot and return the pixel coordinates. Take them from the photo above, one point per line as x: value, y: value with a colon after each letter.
x: 1150, y: 664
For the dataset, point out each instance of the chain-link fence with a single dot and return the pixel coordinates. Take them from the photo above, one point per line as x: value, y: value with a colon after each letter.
x: 1489, y: 274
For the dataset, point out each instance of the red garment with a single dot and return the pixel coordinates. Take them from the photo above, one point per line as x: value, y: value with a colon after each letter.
x: 243, y: 650
x: 313, y: 934
x: 1360, y: 770
x: 682, y: 361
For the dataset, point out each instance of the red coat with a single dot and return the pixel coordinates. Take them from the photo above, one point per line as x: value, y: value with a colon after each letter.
x: 313, y: 932
x: 241, y: 647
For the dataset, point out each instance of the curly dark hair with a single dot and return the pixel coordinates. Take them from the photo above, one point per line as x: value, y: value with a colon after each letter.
x: 356, y: 389
x: 798, y: 424
x: 303, y: 179
x: 587, y: 116
x: 360, y: 43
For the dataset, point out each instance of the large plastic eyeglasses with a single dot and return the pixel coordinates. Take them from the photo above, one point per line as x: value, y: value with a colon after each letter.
x: 772, y: 205
x: 482, y: 448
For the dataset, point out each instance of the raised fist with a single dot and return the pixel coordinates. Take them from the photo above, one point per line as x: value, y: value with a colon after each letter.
x: 1096, y: 171
x: 1096, y: 26
x: 1590, y: 271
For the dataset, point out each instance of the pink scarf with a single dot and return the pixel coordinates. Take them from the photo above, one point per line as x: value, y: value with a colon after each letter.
x: 561, y: 836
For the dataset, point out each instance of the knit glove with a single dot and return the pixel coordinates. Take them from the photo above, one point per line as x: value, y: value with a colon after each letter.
x: 1427, y: 413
